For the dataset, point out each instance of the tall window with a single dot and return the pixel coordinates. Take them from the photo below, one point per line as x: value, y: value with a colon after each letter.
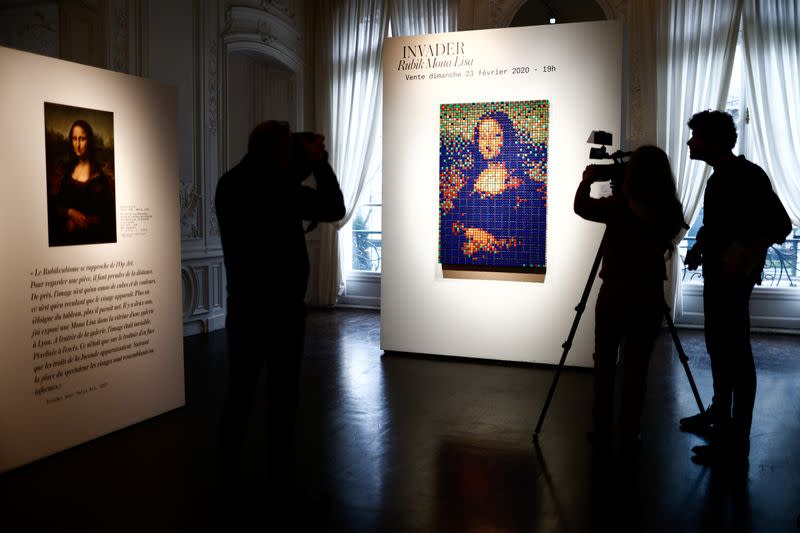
x: 365, y: 228
x: 363, y: 236
x: 783, y: 262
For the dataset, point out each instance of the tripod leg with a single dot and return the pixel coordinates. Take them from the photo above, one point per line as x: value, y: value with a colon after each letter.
x: 682, y: 357
x: 568, y: 343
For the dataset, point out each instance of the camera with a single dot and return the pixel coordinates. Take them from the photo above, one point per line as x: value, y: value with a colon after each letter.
x: 614, y: 172
x: 299, y: 141
x: 307, y: 136
x: 305, y: 150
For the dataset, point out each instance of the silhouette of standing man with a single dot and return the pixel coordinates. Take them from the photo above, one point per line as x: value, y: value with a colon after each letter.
x: 742, y: 218
x: 261, y: 205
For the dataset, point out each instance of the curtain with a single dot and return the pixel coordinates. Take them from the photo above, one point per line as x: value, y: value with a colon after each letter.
x: 696, y: 48
x: 771, y: 34
x: 349, y: 105
x: 418, y: 17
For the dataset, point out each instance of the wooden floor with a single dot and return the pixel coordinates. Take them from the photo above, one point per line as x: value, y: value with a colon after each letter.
x: 404, y: 443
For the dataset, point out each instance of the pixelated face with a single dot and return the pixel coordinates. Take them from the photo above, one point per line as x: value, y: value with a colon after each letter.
x: 79, y: 141
x: 490, y: 138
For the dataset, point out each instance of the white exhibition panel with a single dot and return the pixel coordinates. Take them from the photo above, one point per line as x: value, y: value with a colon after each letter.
x: 50, y: 400
x: 577, y: 67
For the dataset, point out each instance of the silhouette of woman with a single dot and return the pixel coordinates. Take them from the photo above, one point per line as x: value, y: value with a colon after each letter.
x: 642, y: 219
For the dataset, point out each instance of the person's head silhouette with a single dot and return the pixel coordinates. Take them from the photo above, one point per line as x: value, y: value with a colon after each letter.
x: 713, y: 136
x: 270, y: 143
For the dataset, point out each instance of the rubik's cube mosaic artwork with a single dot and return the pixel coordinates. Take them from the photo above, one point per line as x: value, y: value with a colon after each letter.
x: 493, y: 185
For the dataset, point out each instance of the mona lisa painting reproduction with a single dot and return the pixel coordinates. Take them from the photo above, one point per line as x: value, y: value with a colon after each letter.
x: 79, y: 147
x: 493, y: 186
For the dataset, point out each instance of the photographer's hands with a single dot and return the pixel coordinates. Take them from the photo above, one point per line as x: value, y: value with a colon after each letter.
x: 593, y: 173
x: 694, y: 258
x: 590, y: 173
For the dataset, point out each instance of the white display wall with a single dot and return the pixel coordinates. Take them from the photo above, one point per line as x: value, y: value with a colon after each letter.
x: 577, y: 68
x: 91, y: 333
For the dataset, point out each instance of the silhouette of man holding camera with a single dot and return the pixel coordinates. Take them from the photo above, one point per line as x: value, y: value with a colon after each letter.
x: 742, y: 218
x: 261, y: 204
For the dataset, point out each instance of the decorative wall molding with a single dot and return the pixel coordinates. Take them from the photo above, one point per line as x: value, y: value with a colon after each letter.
x: 213, y: 225
x: 207, y: 149
x: 213, y: 52
x: 127, y: 35
x: 119, y: 36
x: 203, y: 299
x: 280, y: 8
x: 200, y: 242
x: 202, y: 270
x: 191, y: 201
x: 266, y: 32
x: 188, y: 294
x: 31, y: 28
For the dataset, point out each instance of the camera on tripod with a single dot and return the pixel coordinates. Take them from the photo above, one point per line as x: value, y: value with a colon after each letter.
x: 614, y: 172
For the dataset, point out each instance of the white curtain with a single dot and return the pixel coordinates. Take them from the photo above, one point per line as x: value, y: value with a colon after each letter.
x: 350, y: 37
x: 696, y: 48
x: 418, y: 17
x: 350, y: 103
x: 771, y: 34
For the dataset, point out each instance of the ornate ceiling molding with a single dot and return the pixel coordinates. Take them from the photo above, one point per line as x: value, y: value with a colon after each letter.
x: 32, y: 28
x: 280, y: 8
x: 119, y: 36
x: 614, y: 9
x: 503, y: 12
x: 268, y: 30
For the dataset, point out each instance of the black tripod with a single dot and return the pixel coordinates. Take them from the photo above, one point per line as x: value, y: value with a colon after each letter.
x: 568, y: 343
